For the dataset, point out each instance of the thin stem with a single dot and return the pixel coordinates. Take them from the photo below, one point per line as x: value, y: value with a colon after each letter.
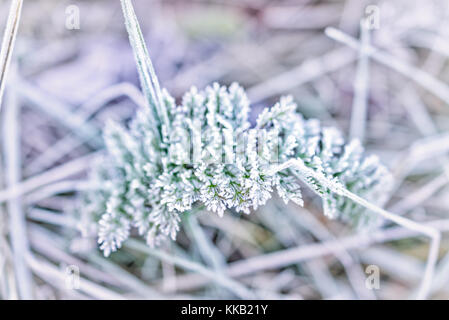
x: 58, y: 173
x: 148, y: 78
x: 283, y: 258
x: 360, y: 102
x: 17, y: 224
x: 70, y: 142
x: 210, y: 254
x: 433, y: 233
x: 9, y: 37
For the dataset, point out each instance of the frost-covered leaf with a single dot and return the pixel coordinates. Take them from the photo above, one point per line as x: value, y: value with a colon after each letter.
x: 205, y: 153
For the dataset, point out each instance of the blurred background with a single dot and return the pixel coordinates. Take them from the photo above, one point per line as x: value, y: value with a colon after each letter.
x: 73, y: 68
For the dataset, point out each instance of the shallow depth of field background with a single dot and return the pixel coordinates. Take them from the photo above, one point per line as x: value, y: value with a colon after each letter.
x: 56, y: 105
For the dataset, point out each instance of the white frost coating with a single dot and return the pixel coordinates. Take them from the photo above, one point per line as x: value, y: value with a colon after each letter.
x: 148, y: 185
x: 204, y: 151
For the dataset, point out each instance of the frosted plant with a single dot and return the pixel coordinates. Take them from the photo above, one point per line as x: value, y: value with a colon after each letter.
x: 204, y: 152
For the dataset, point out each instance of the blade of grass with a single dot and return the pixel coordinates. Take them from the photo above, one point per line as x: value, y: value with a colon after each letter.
x: 60, y: 111
x: 210, y: 254
x: 70, y: 142
x: 148, y: 78
x: 355, y: 274
x: 17, y: 225
x: 58, y: 173
x: 435, y: 236
x: 9, y: 37
x: 282, y: 258
x: 359, y: 105
x: 57, y: 278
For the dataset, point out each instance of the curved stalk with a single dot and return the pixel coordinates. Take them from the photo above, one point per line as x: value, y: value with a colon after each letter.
x: 432, y: 233
x: 9, y: 37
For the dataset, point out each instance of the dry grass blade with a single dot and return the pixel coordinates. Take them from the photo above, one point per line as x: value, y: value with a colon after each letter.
x: 360, y: 102
x: 148, y: 78
x: 11, y: 149
x: 9, y: 38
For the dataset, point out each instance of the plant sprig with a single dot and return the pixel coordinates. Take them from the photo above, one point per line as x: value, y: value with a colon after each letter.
x: 211, y: 155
